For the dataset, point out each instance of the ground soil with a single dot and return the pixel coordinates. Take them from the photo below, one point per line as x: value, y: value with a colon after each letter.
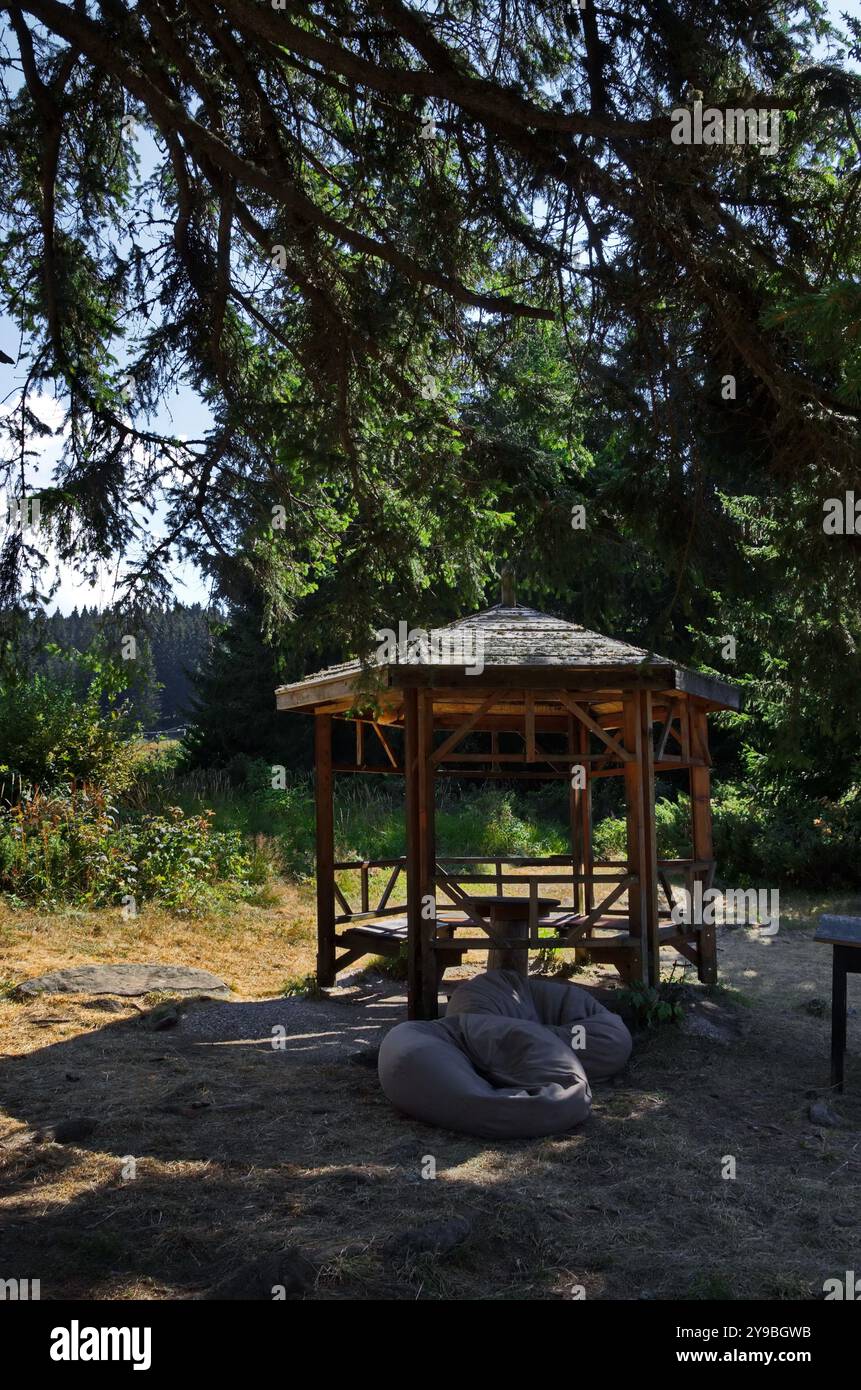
x: 214, y: 1150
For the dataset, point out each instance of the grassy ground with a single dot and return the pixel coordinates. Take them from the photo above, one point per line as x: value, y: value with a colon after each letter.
x: 240, y: 1153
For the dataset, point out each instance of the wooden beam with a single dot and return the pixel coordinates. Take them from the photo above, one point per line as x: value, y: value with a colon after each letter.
x: 586, y: 825
x: 413, y: 856
x: 427, y: 856
x: 387, y: 891
x: 703, y: 842
x: 586, y: 718
x: 325, y: 849
x: 529, y: 724
x: 574, y: 819
x: 309, y: 694
x: 385, y: 743
x: 616, y: 679
x: 665, y: 732
x: 463, y: 729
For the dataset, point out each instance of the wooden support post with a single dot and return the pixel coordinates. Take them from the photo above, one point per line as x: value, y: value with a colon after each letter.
x: 703, y: 845
x: 529, y: 724
x: 325, y: 843
x: 576, y: 826
x: 427, y: 858
x: 413, y: 865
x: 650, y: 850
x: 580, y: 810
x: 636, y: 840
x: 586, y: 823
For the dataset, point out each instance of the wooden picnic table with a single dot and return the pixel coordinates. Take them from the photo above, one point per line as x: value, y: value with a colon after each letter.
x: 508, y: 918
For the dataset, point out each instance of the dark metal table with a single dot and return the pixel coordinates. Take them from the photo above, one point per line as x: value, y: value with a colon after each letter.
x: 843, y: 934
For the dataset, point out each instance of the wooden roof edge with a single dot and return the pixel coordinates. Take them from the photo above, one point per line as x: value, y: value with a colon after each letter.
x: 311, y: 692
x: 316, y: 690
x: 711, y: 688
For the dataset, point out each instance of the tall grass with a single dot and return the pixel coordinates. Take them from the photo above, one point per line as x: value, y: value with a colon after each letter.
x: 369, y: 814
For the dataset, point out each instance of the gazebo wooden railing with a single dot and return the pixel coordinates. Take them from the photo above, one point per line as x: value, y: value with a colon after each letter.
x: 547, y: 700
x: 567, y: 927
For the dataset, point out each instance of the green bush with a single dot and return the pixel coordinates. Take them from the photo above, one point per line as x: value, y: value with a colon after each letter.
x: 54, y: 731
x: 672, y: 827
x: 69, y: 846
x: 814, y: 844
x: 803, y: 843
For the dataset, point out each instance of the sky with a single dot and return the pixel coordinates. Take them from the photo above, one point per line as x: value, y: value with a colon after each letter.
x: 182, y: 414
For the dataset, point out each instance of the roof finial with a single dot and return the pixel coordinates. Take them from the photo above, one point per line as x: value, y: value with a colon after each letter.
x: 507, y: 599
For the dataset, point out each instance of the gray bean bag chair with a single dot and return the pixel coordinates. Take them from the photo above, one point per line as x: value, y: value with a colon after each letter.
x: 511, y: 1059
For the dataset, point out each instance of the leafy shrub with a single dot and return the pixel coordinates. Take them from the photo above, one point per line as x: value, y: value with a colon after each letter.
x: 652, y: 1005
x: 800, y: 843
x: 178, y: 859
x: 53, y: 731
x: 672, y: 827
x: 811, y: 843
x: 69, y: 846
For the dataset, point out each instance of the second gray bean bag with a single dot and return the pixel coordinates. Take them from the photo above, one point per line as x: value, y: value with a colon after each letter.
x: 509, y: 1060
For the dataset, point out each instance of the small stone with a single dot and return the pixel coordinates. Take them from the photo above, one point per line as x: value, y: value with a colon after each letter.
x: 68, y: 1131
x: 821, y: 1113
x: 270, y: 1278
x: 818, y: 1008
x: 368, y: 1057
x: 436, y: 1237
x: 842, y: 1218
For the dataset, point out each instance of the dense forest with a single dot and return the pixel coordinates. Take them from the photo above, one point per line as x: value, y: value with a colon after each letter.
x: 170, y: 647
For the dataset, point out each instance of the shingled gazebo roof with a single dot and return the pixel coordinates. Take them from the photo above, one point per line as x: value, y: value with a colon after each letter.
x: 516, y: 644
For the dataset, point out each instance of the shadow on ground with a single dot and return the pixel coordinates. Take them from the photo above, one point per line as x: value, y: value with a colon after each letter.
x: 215, y: 1152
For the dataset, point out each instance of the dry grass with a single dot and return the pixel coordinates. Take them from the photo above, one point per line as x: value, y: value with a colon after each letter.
x: 241, y: 1151
x: 252, y: 948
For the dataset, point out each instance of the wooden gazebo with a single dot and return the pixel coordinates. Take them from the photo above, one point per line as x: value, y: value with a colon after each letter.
x: 514, y: 694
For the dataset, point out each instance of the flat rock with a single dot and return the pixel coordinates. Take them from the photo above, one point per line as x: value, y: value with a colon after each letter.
x: 127, y: 980
x: 707, y: 1020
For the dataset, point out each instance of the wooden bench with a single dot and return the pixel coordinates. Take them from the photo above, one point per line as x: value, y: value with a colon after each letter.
x: 390, y: 938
